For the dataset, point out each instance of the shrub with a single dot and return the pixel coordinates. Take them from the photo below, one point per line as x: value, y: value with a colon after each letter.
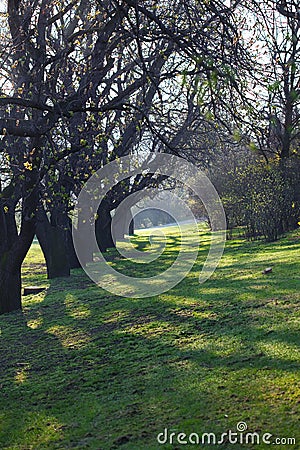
x: 263, y: 198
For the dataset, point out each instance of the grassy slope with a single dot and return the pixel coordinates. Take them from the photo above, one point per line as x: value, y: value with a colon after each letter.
x: 84, y: 369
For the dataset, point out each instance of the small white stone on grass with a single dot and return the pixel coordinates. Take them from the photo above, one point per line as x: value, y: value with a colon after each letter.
x: 267, y: 270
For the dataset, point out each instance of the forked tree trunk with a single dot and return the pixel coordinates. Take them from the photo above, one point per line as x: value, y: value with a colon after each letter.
x: 15, y: 245
x: 12, y: 255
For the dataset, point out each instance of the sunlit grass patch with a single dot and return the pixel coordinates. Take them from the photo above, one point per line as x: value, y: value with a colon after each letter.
x: 82, y: 368
x: 69, y: 337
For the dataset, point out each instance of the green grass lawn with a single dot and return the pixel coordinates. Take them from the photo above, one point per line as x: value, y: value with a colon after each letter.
x: 83, y: 369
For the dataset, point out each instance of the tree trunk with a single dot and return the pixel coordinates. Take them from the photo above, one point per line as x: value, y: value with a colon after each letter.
x: 13, y: 249
x: 58, y: 262
x: 72, y: 257
x: 123, y: 224
x: 10, y: 287
x: 103, y: 229
x: 14, y: 246
x: 131, y: 227
x: 83, y: 235
x: 52, y: 240
x: 12, y: 255
x: 288, y: 119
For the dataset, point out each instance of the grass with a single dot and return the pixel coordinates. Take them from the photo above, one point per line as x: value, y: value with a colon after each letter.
x: 83, y: 369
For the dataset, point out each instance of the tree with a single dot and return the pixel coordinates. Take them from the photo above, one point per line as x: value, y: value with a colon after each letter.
x: 60, y: 70
x: 40, y: 44
x: 125, y: 131
x: 272, y: 79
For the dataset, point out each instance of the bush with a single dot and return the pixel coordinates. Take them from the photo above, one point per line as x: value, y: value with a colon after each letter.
x: 265, y: 199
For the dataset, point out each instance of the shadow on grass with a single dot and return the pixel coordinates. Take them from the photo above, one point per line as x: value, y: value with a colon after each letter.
x: 81, y: 368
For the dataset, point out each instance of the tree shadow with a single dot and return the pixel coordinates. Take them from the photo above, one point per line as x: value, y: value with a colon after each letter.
x: 84, y: 369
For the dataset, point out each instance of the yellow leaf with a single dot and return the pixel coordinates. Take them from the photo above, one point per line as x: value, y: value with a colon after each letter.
x: 28, y: 165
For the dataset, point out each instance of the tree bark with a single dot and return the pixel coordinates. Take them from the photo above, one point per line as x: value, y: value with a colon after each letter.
x: 131, y: 224
x: 72, y: 257
x: 103, y: 228
x: 123, y: 224
x: 10, y: 286
x: 14, y: 246
x: 52, y: 240
x: 11, y: 259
